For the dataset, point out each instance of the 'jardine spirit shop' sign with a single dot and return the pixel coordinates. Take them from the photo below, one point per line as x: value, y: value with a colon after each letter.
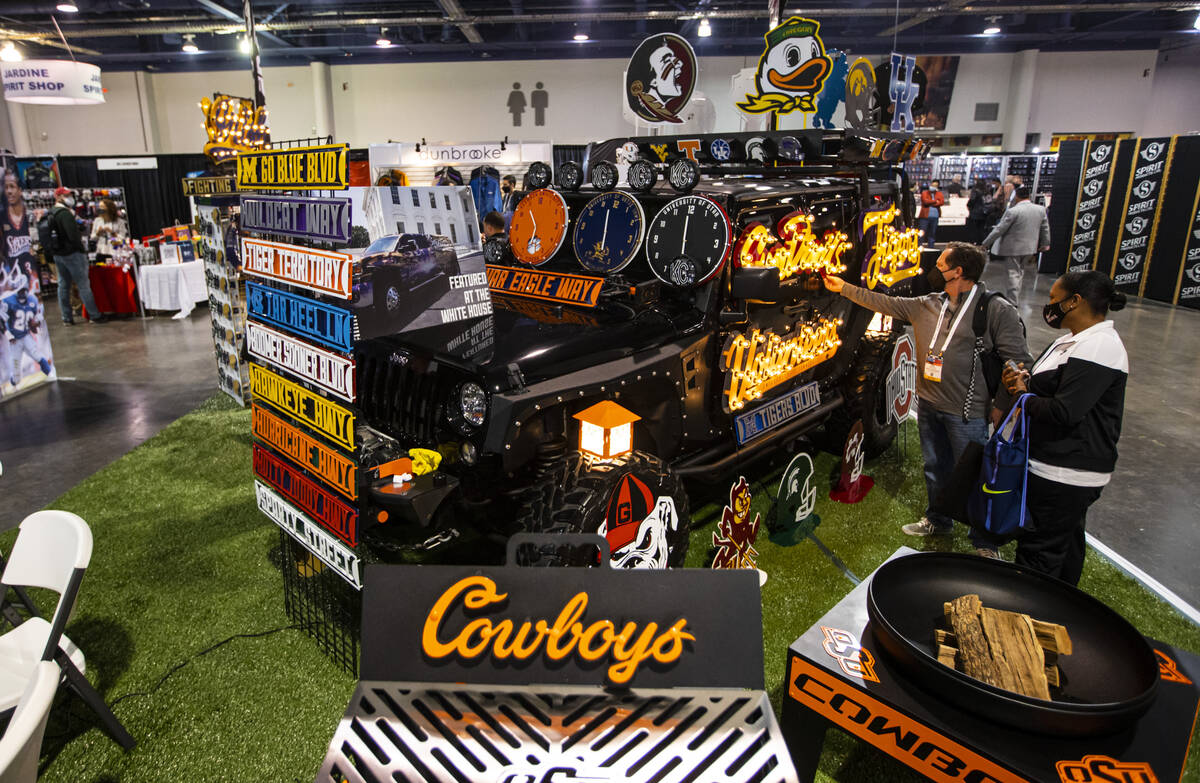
x: 1135, y: 242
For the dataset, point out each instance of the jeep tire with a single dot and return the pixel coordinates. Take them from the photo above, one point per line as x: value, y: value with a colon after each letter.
x: 864, y: 391
x: 579, y: 495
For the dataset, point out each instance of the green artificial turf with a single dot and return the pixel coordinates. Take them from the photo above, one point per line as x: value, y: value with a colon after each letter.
x: 183, y: 561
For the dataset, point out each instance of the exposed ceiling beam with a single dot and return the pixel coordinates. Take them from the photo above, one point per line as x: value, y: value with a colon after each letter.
x: 455, y: 15
x: 220, y: 10
x: 921, y: 18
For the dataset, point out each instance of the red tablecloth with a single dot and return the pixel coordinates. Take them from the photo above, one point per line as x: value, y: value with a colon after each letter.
x: 114, y: 289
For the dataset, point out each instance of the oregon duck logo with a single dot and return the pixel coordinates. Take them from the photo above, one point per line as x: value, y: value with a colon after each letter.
x: 660, y: 78
x: 791, y: 71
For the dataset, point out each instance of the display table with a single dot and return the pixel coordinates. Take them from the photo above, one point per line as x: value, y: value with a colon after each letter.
x: 173, y: 287
x: 836, y: 675
x: 114, y: 288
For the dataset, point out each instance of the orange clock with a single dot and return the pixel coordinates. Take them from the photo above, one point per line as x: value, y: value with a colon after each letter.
x: 539, y: 226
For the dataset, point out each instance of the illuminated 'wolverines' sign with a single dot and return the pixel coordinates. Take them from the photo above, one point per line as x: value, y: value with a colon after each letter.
x: 892, y: 254
x: 758, y: 362
x: 796, y: 249
x: 233, y: 125
x: 562, y: 637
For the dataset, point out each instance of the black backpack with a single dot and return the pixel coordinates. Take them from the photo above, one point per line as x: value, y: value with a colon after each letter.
x: 993, y: 365
x: 49, y: 234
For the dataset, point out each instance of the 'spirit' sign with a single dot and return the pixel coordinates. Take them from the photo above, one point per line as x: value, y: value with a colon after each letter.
x: 306, y: 451
x: 547, y: 286
x: 325, y: 219
x: 310, y: 497
x: 311, y: 536
x: 325, y: 416
x: 1089, y: 209
x: 317, y: 321
x: 330, y: 371
x: 758, y: 362
x: 1188, y: 287
x: 892, y: 254
x: 208, y: 186
x: 322, y: 271
x: 301, y: 168
x: 1139, y: 225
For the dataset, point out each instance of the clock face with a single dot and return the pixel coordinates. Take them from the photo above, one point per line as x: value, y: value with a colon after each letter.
x: 688, y: 241
x: 539, y: 225
x: 609, y: 232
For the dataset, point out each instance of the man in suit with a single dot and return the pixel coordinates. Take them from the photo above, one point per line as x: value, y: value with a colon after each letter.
x: 1021, y: 234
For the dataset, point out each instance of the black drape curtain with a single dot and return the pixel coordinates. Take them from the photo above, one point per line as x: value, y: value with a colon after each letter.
x: 153, y: 197
x: 565, y: 152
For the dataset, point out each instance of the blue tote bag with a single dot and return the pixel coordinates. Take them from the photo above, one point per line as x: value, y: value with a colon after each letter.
x: 997, y: 501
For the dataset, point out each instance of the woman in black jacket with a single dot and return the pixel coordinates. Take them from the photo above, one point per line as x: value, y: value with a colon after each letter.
x: 1074, y: 421
x: 978, y: 202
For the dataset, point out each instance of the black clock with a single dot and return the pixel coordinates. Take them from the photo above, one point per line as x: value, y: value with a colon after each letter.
x: 539, y: 175
x: 495, y: 249
x: 641, y: 176
x: 688, y: 241
x: 608, y: 232
x: 604, y: 175
x: 684, y: 175
x: 570, y: 176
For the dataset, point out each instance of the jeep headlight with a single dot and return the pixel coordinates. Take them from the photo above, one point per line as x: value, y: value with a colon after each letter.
x: 472, y: 401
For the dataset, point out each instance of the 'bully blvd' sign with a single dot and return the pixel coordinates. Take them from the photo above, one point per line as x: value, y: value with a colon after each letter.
x: 322, y: 271
x: 1089, y: 207
x: 323, y: 219
x: 1135, y: 241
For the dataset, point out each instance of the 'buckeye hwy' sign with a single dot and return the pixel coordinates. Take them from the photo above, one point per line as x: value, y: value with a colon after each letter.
x: 324, y: 219
x: 301, y: 168
x: 322, y: 271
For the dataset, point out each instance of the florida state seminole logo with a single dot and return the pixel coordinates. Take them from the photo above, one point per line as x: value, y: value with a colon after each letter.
x: 791, y: 71
x: 660, y: 78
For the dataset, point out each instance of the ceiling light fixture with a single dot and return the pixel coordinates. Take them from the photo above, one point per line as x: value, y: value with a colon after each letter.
x: 383, y: 41
x: 580, y: 37
x: 10, y: 54
x: 68, y: 8
x: 705, y: 29
x: 189, y: 44
x: 993, y: 28
x: 244, y: 45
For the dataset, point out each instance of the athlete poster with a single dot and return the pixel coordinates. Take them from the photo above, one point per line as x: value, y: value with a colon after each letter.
x: 26, y: 358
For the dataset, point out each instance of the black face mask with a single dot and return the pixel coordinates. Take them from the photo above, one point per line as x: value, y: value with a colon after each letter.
x: 1053, y: 314
x: 505, y: 189
x: 937, y: 280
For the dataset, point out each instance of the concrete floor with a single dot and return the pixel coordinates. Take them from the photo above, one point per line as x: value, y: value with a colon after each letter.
x: 133, y: 378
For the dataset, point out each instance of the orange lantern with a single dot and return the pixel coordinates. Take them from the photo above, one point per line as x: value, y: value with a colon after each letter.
x: 606, y: 430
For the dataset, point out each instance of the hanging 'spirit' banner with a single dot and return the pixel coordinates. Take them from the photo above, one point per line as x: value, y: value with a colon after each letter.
x: 330, y: 372
x: 306, y: 451
x: 311, y: 536
x: 1135, y: 241
x: 1089, y: 209
x: 326, y: 417
x: 323, y: 219
x: 323, y: 323
x: 1188, y: 288
x: 336, y: 515
x: 300, y: 168
x: 322, y: 271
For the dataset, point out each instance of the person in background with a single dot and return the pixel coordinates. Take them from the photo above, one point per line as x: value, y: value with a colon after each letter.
x: 18, y: 241
x: 932, y: 201
x: 1021, y: 234
x: 955, y: 188
x: 1074, y: 421
x: 508, y: 194
x: 493, y: 225
x: 70, y: 259
x: 952, y: 395
x: 978, y: 206
x: 107, y: 229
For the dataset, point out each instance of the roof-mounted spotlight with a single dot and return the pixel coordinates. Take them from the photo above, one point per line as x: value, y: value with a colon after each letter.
x: 189, y: 44
x: 993, y: 26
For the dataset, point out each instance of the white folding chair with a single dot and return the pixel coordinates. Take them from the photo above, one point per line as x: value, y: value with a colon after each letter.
x: 21, y: 745
x: 52, y: 551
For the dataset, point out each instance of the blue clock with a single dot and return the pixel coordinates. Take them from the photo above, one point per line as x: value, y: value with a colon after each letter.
x: 609, y: 232
x: 720, y: 150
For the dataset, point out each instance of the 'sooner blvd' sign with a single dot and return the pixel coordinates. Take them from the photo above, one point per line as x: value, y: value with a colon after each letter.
x: 322, y: 271
x: 327, y: 417
x: 301, y: 168
x: 317, y: 321
x: 759, y: 362
x: 325, y: 219
x: 329, y: 371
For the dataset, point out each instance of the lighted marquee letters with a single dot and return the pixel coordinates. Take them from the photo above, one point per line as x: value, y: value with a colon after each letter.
x: 233, y: 125
x: 322, y: 271
x: 331, y: 372
x: 317, y: 321
x: 306, y: 451
x: 311, y: 536
x: 759, y: 362
x: 336, y: 515
x: 627, y: 647
x: 327, y: 417
x: 323, y: 219
x: 893, y: 254
x: 796, y: 249
x: 301, y: 168
x: 548, y: 286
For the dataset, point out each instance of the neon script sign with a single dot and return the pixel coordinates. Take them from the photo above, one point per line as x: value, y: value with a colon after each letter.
x: 560, y: 638
x: 759, y: 362
x: 796, y: 249
x: 233, y: 125
x: 894, y: 254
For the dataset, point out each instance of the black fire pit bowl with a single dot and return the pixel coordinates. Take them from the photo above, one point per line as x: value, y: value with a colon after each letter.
x: 1108, y: 681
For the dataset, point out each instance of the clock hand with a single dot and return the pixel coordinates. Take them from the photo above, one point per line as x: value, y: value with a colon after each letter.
x: 604, y: 235
x: 683, y: 245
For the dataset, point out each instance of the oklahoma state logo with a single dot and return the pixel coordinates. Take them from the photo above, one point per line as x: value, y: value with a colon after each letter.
x: 1168, y: 670
x: 844, y: 648
x: 1102, y: 769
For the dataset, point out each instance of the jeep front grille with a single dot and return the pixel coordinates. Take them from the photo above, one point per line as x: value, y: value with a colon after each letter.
x: 418, y: 732
x: 397, y: 399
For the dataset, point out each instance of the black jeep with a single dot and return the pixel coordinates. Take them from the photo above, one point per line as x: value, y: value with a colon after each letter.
x: 720, y: 372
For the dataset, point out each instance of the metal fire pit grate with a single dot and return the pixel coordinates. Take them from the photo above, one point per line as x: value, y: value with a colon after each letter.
x: 414, y: 732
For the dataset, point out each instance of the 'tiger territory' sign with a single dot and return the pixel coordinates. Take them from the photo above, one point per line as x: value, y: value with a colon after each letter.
x: 300, y: 168
x: 322, y: 271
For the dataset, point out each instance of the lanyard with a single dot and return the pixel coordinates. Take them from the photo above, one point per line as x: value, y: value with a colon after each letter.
x: 953, y: 327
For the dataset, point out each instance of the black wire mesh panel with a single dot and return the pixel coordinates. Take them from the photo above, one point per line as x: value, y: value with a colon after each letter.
x: 416, y: 732
x: 321, y: 603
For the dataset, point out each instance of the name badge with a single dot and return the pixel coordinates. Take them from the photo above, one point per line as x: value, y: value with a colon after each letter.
x: 933, y: 367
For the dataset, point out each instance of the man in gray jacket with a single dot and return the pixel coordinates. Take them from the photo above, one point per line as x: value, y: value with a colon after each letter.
x: 1021, y: 234
x: 952, y: 395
